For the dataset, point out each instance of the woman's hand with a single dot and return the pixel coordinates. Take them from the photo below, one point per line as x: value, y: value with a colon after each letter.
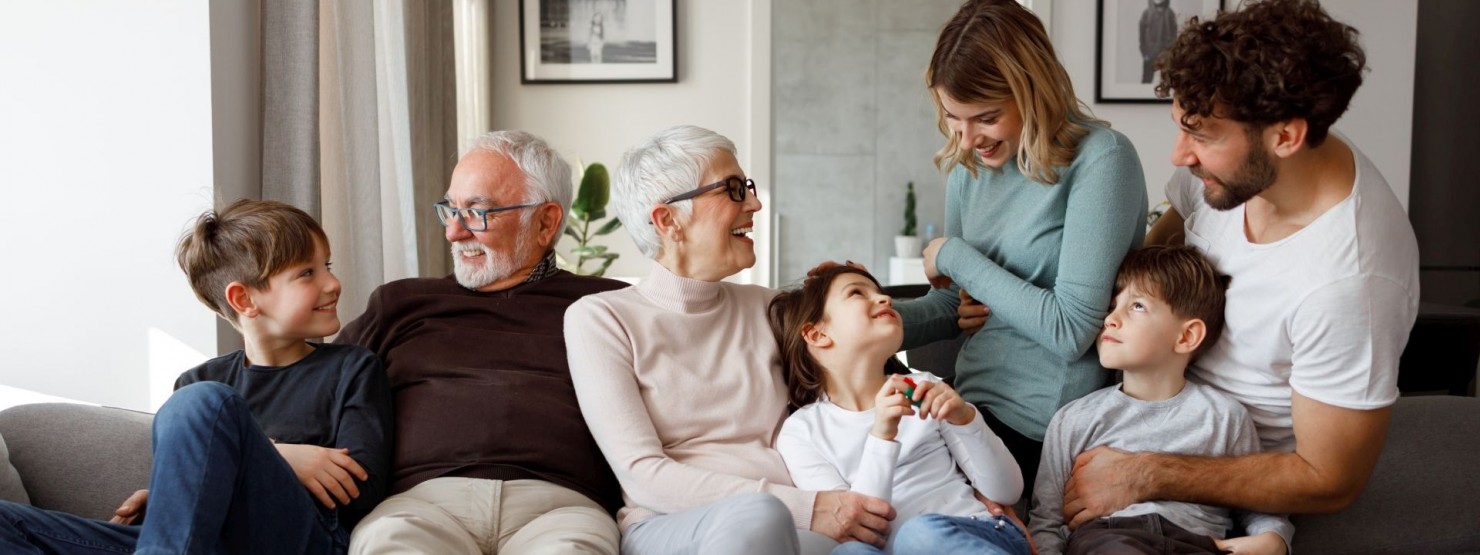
x: 1267, y: 543
x: 940, y: 401
x: 847, y: 516
x: 889, y: 406
x: 932, y: 274
x: 328, y: 474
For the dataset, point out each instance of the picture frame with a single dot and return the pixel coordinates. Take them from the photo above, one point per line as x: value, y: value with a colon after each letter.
x: 1126, y: 32
x: 598, y: 41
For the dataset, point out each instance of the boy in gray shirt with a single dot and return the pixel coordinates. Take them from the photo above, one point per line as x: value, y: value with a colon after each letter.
x: 1167, y: 309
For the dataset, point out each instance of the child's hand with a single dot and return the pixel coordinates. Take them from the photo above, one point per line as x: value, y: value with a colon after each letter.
x: 939, y: 401
x: 328, y: 474
x: 132, y: 509
x: 889, y: 406
x: 1267, y: 543
x: 932, y: 274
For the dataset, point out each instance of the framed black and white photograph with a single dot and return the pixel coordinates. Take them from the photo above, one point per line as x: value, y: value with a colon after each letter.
x: 1129, y: 35
x: 598, y: 41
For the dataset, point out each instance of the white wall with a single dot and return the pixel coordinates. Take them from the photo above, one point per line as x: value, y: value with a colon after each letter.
x: 1379, y: 121
x: 723, y: 85
x: 107, y: 153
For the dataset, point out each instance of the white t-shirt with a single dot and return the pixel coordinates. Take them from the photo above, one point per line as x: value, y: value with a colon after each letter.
x: 827, y: 447
x: 1325, y: 311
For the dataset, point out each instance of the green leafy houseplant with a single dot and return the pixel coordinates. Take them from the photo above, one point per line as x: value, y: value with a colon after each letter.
x: 910, y: 225
x: 588, y: 208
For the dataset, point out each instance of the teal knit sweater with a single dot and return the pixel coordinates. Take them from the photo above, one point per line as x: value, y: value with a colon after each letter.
x: 1043, y: 258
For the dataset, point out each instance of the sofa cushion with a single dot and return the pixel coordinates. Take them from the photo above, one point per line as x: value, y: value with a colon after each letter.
x: 79, y: 459
x: 1421, y: 497
x: 11, y: 488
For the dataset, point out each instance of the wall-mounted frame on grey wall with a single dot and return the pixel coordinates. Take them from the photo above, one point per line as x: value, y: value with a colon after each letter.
x: 598, y: 41
x: 1129, y: 35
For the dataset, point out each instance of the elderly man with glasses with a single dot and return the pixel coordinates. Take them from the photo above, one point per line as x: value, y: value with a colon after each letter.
x: 491, y: 453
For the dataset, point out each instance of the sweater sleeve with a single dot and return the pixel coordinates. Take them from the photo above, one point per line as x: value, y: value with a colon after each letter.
x: 368, y: 329
x: 600, y: 354
x: 364, y: 427
x: 1105, y: 217
x: 1047, y: 523
x: 985, y: 459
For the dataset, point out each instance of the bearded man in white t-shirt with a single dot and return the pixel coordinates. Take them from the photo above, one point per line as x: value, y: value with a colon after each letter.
x: 1323, y: 260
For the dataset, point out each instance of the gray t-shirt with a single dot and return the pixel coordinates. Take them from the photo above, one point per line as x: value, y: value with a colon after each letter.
x: 1197, y: 421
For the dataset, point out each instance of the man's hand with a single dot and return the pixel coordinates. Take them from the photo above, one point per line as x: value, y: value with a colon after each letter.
x: 328, y: 474
x: 971, y: 314
x: 932, y: 274
x: 132, y: 509
x: 1103, y: 481
x: 847, y: 516
x: 1267, y: 543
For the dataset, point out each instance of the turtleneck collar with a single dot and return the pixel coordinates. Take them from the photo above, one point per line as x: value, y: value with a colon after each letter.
x: 681, y: 294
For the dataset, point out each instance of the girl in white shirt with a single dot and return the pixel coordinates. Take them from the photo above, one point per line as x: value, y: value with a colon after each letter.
x: 930, y: 454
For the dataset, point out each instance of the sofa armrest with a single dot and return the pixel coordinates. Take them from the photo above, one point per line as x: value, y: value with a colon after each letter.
x: 1421, y: 498
x: 78, y: 459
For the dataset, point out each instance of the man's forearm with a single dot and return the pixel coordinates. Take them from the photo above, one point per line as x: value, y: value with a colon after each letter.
x: 1265, y: 482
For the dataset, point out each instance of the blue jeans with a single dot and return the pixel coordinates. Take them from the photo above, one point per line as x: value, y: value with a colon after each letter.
x: 218, y: 486
x: 931, y: 534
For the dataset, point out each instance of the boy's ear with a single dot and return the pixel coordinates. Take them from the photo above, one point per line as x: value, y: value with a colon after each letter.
x: 1193, y: 332
x: 815, y: 337
x: 239, y: 296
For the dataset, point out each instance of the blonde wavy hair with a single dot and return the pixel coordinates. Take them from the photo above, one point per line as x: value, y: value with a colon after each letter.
x: 996, y: 50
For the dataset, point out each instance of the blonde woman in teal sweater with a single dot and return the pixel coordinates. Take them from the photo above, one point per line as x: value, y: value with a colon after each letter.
x: 1042, y: 203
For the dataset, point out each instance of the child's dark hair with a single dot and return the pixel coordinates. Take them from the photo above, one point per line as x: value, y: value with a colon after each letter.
x: 788, y: 313
x: 248, y: 242
x: 1184, y: 279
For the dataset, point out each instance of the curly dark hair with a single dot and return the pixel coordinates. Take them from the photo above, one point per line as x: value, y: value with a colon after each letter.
x: 1272, y: 61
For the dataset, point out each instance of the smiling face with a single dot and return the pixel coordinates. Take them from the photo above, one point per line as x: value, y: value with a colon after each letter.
x: 300, y: 300
x: 993, y: 130
x: 860, y: 318
x: 481, y: 259
x: 1228, y: 156
x: 716, y: 233
x: 1140, y: 332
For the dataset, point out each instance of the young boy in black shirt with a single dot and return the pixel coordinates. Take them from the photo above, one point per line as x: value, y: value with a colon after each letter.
x: 278, y: 448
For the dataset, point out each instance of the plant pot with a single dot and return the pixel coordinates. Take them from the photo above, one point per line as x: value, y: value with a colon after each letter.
x: 907, y: 246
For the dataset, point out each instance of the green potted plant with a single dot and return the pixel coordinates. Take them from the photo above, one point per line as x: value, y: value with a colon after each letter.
x: 907, y: 243
x: 588, y: 208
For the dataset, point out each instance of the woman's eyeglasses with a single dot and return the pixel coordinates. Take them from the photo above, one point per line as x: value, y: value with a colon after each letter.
x: 735, y: 186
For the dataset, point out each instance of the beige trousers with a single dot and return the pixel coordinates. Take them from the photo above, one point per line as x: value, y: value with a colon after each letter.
x: 473, y: 516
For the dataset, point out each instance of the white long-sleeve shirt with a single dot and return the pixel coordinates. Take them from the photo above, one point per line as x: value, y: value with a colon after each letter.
x: 930, y: 467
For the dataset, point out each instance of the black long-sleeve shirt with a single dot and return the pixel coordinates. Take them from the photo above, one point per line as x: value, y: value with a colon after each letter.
x: 337, y: 397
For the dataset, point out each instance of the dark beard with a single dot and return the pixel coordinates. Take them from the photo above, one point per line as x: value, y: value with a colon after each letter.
x: 1255, y: 175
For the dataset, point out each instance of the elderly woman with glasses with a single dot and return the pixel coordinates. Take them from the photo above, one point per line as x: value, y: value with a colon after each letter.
x: 679, y: 378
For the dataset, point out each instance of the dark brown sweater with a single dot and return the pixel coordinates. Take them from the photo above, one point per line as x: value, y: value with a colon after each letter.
x: 481, y: 384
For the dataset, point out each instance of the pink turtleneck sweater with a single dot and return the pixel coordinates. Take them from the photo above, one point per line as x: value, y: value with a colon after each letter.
x: 680, y: 383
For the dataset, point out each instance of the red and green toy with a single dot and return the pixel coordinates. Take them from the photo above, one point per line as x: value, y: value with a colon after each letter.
x: 909, y: 392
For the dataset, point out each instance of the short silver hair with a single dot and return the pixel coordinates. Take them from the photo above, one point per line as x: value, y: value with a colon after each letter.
x: 546, y: 173
x: 667, y: 164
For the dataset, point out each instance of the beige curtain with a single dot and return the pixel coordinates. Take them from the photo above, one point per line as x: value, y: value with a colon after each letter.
x: 359, y: 127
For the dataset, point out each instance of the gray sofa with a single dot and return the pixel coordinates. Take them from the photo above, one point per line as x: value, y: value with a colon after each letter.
x: 1424, y: 496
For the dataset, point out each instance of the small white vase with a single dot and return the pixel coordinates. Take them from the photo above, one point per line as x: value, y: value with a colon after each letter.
x: 907, y: 246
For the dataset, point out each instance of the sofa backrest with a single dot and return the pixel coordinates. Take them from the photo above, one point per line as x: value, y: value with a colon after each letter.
x: 78, y: 459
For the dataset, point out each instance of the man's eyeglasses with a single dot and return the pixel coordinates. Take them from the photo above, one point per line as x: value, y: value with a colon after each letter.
x: 474, y: 219
x: 735, y: 186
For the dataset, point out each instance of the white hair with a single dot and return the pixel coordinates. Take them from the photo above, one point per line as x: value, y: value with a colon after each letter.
x: 669, y: 163
x: 546, y: 174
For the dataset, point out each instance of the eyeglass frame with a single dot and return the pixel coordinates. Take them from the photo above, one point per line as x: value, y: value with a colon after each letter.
x: 482, y: 213
x: 746, y: 183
